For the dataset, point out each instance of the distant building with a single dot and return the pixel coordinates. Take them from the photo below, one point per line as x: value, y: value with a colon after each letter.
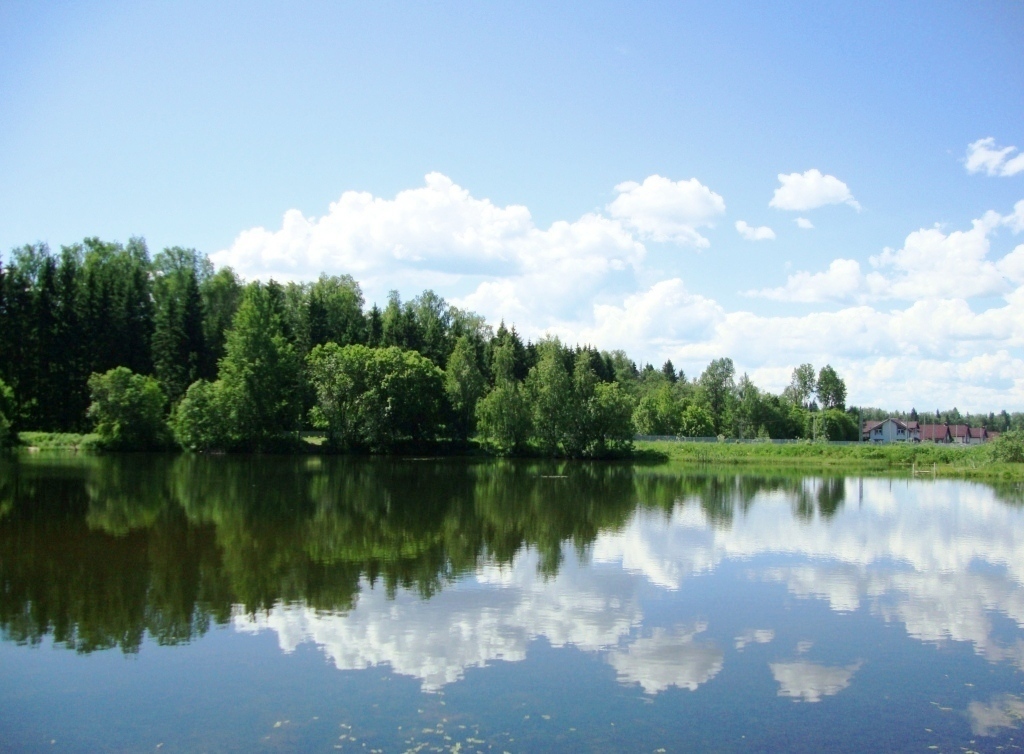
x: 897, y: 430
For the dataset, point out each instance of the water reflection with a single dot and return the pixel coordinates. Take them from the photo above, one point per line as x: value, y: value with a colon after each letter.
x: 434, y: 567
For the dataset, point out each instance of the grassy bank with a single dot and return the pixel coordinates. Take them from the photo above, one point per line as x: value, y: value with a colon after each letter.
x: 58, y: 441
x: 973, y: 462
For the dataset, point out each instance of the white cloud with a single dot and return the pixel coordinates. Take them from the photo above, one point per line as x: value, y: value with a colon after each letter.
x: 750, y: 233
x: 1016, y: 218
x: 811, y: 189
x: 808, y: 682
x: 984, y: 155
x: 438, y: 227
x: 666, y: 210
x: 754, y: 636
x: 1003, y: 712
x: 580, y: 280
x: 668, y: 658
x: 931, y: 264
x: 841, y: 282
x: 803, y: 223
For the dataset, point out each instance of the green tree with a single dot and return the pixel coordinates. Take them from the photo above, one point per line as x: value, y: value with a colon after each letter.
x: 696, y: 421
x: 7, y: 435
x: 179, y: 344
x: 831, y: 389
x: 335, y: 311
x: 717, y: 388
x: 551, y: 395
x: 504, y: 416
x: 128, y: 410
x: 200, y: 421
x: 375, y: 397
x: 260, y: 372
x: 802, y: 385
x: 221, y: 295
x: 463, y: 384
x: 613, y: 419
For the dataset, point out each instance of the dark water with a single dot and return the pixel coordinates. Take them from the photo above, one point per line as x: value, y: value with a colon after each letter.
x: 183, y: 604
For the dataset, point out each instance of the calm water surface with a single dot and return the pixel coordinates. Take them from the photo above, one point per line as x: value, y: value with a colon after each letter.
x: 311, y: 604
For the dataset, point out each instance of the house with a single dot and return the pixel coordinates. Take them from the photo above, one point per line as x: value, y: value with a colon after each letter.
x: 935, y: 433
x: 887, y: 430
x: 897, y: 430
x: 960, y: 434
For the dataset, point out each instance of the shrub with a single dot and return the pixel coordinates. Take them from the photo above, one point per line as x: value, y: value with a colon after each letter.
x: 200, y: 421
x: 1009, y: 447
x: 128, y: 410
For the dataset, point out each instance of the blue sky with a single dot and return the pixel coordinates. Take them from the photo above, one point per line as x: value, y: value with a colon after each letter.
x: 579, y: 171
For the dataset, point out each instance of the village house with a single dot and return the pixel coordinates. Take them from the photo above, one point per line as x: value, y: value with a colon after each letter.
x: 897, y: 430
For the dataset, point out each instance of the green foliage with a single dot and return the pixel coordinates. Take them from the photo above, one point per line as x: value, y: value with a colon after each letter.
x: 696, y: 421
x: 504, y: 417
x: 551, y: 398
x: 833, y: 424
x: 7, y: 435
x: 335, y: 311
x: 128, y: 410
x: 200, y: 421
x: 802, y: 385
x: 375, y: 397
x: 260, y: 373
x: 463, y: 385
x: 717, y: 392
x: 831, y: 389
x: 1009, y: 447
x: 658, y: 412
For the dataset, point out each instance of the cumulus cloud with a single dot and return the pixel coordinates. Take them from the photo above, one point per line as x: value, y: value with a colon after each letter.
x: 809, y: 190
x: 841, y: 282
x: 984, y: 156
x: 931, y: 264
x: 581, y: 280
x: 665, y: 210
x: 1003, y: 712
x: 808, y: 682
x: 754, y: 636
x: 803, y: 223
x: 751, y: 233
x: 668, y: 658
x: 1016, y: 218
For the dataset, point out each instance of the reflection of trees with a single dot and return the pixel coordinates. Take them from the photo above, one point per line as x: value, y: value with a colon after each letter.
x: 100, y: 551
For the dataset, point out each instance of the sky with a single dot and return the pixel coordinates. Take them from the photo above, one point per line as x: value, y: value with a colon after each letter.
x: 779, y: 183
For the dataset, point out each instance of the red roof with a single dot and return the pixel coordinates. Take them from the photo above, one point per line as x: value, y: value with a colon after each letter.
x: 935, y: 432
x: 959, y: 430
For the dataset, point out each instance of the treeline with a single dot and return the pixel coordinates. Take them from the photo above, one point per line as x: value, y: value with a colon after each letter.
x: 1004, y: 421
x: 151, y: 352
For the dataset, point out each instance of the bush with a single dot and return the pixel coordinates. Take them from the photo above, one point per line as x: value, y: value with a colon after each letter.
x: 128, y: 410
x: 200, y: 421
x: 1009, y: 447
x: 7, y: 435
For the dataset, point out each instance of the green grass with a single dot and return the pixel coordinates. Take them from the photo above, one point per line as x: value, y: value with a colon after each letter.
x: 58, y: 440
x: 973, y: 462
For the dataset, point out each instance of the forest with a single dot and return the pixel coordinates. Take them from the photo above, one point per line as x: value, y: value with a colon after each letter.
x: 162, y: 351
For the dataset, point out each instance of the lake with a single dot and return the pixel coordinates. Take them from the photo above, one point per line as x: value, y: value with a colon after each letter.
x: 182, y: 603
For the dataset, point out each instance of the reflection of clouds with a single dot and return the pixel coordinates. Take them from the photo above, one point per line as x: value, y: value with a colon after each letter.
x: 937, y: 556
x: 668, y: 658
x: 1006, y: 711
x: 754, y: 636
x: 467, y: 625
x: 933, y: 607
x: 808, y: 682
